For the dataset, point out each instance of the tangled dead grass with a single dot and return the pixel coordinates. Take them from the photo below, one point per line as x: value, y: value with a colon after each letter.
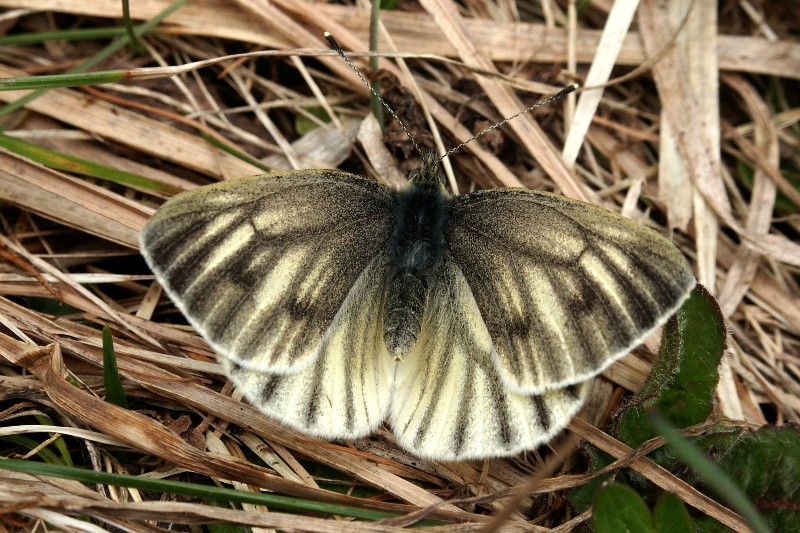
x: 698, y: 142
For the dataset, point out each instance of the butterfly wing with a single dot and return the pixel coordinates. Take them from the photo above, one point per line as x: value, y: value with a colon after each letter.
x: 260, y: 266
x: 451, y: 402
x: 345, y: 392
x: 564, y: 288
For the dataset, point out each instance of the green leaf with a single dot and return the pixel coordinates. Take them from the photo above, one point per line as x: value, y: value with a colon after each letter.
x: 766, y: 465
x: 712, y: 474
x: 714, y: 443
x: 618, y: 509
x: 684, y: 378
x: 671, y: 516
x: 115, y: 393
x: 706, y: 524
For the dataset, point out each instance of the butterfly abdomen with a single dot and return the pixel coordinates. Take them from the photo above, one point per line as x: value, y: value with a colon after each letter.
x: 415, y: 252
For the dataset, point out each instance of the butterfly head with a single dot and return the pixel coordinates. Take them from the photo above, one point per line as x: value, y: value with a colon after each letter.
x: 427, y: 177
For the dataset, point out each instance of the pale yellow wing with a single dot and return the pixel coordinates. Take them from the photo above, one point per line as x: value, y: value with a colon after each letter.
x: 564, y: 288
x: 260, y: 266
x: 451, y: 403
x: 344, y: 393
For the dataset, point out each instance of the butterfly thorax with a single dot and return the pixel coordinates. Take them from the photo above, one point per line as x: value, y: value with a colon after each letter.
x: 415, y: 252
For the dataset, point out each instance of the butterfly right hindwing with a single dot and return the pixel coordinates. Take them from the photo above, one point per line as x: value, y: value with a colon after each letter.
x: 260, y: 266
x: 451, y: 402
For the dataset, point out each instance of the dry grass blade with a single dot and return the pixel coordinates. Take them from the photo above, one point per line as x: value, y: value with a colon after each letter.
x: 762, y: 203
x: 449, y: 21
x: 711, y: 165
x: 608, y: 49
x: 71, y: 201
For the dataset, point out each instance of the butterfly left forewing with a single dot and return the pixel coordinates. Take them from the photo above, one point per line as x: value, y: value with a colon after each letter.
x: 345, y: 392
x: 261, y: 265
x: 565, y: 288
x: 451, y: 403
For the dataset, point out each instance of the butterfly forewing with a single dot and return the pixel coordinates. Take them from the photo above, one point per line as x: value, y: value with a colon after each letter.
x: 261, y: 266
x: 345, y: 392
x: 451, y: 403
x: 564, y: 288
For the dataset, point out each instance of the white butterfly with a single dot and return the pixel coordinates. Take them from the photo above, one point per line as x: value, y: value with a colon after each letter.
x: 470, y: 323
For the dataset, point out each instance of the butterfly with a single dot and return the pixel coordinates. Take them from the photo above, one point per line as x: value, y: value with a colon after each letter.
x: 470, y: 323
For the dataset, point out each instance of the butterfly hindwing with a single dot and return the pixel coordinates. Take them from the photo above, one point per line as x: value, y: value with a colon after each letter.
x: 260, y: 266
x: 565, y: 288
x: 451, y: 402
x: 345, y: 392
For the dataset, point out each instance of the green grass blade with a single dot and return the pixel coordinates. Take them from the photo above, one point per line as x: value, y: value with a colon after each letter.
x: 235, y: 153
x: 89, y: 34
x: 133, y: 39
x: 68, y: 163
x: 115, y: 393
x: 54, y: 81
x: 192, y: 489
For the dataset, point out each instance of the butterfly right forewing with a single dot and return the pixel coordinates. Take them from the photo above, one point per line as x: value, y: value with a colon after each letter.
x: 261, y: 265
x: 564, y: 288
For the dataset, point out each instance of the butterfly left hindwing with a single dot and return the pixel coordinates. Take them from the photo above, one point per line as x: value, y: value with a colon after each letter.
x: 345, y: 392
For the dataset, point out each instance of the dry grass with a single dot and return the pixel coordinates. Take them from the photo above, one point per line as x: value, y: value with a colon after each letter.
x: 666, y: 147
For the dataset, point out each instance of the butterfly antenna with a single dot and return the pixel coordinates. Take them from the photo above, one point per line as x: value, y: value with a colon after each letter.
x: 560, y: 94
x: 335, y: 45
